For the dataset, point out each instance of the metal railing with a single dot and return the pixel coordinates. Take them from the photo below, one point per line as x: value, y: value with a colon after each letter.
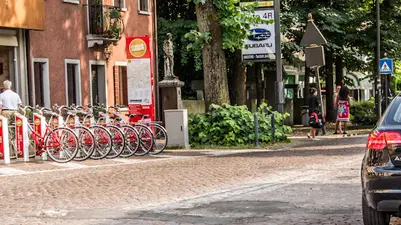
x: 105, y: 21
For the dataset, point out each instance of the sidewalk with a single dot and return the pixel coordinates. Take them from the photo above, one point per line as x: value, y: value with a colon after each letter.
x: 302, y: 131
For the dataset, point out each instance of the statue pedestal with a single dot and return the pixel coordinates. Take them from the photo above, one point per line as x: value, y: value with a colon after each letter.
x: 170, y: 93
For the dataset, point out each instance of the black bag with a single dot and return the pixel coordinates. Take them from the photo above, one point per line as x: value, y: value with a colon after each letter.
x: 315, y: 121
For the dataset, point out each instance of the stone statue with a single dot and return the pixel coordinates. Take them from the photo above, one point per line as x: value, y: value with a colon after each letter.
x: 168, y: 58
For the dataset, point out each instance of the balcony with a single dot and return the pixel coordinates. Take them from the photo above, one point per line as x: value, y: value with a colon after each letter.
x: 25, y: 14
x: 105, y: 25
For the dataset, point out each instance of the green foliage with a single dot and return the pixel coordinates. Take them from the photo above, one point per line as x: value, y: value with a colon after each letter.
x: 235, y: 21
x: 234, y: 125
x: 363, y: 112
x: 188, y: 57
x: 98, y: 108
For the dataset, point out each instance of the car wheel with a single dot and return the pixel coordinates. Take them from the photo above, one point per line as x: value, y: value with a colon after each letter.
x: 372, y: 216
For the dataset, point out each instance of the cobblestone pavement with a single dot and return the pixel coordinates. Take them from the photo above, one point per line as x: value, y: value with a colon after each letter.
x: 310, y: 182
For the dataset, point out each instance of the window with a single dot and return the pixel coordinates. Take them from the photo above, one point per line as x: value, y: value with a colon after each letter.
x: 40, y: 86
x: 71, y: 1
x: 119, y: 4
x: 143, y: 6
x: 38, y: 79
x: 72, y: 79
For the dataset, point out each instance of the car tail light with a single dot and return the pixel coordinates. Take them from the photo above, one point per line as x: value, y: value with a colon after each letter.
x: 379, y: 140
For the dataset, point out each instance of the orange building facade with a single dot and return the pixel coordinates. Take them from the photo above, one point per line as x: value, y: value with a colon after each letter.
x: 73, y: 51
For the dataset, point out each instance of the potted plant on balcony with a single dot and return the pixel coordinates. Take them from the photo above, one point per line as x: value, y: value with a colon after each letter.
x: 114, y: 30
x: 115, y: 14
x: 99, y: 23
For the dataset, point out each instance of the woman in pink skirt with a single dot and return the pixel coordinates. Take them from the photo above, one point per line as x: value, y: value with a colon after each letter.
x: 343, y: 106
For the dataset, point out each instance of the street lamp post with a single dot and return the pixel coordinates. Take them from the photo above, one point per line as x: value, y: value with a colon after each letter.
x: 279, y: 68
x: 378, y: 79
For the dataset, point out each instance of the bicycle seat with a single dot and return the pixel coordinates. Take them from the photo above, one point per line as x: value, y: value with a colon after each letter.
x: 114, y: 116
x: 82, y: 114
x: 49, y: 113
x: 131, y: 115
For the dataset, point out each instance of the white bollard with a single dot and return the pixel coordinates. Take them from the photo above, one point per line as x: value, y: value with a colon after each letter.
x: 4, y: 141
x: 21, y: 134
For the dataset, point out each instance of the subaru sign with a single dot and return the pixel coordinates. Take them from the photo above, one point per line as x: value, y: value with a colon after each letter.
x: 260, y: 44
x: 259, y: 34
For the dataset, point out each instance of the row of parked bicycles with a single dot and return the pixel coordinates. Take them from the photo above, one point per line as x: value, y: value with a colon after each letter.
x: 75, y: 133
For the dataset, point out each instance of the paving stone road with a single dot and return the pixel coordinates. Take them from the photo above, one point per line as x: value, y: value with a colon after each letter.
x: 308, y: 182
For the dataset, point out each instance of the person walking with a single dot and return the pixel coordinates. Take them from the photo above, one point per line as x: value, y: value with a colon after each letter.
x: 335, y: 102
x: 343, y: 107
x: 9, y: 101
x: 314, y: 104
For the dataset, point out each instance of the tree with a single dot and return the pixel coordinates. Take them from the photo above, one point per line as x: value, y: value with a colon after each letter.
x: 223, y: 25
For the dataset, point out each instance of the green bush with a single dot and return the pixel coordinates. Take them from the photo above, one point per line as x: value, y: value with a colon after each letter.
x: 363, y: 112
x: 234, y: 125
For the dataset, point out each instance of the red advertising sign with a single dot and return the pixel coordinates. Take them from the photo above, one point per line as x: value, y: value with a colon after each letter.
x: 19, y: 133
x: 140, y: 76
x: 37, y: 126
x: 138, y: 47
x: 1, y: 140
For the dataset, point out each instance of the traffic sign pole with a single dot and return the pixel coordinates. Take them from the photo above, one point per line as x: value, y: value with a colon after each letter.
x: 378, y: 81
x: 386, y: 91
x: 279, y: 67
x: 386, y: 68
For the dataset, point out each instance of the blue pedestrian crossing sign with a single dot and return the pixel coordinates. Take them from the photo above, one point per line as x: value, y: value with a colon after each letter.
x: 386, y: 66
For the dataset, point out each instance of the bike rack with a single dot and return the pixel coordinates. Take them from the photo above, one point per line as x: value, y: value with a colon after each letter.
x: 4, y: 141
x: 21, y: 136
x: 39, y: 126
x: 59, y: 121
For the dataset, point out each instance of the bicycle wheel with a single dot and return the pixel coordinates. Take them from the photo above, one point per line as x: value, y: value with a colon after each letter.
x: 118, y: 139
x: 132, y: 141
x: 61, y: 144
x: 86, y: 140
x: 146, y: 139
x: 160, y: 138
x: 103, y: 142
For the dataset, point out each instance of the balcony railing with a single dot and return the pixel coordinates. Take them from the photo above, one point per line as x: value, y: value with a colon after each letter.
x: 105, y: 21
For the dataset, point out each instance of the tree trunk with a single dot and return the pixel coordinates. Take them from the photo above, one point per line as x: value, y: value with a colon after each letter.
x: 238, y: 81
x: 330, y: 115
x: 259, y: 84
x: 339, y: 71
x: 214, y: 60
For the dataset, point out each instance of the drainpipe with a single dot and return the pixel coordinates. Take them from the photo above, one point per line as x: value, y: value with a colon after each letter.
x: 156, y: 58
x: 28, y: 67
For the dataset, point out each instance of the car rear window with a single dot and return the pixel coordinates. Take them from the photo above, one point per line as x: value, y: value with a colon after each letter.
x: 393, y: 112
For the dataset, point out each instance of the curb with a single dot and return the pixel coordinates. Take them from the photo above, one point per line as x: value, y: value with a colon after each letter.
x: 331, y: 136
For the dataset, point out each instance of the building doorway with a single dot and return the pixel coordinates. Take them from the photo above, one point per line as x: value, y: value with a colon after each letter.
x: 120, y: 85
x: 73, y: 81
x: 98, y: 84
x: 7, y: 65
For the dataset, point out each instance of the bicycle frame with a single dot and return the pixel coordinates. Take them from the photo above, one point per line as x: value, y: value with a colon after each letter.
x: 39, y: 140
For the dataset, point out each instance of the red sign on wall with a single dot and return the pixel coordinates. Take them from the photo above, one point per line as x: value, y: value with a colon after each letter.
x: 140, y: 77
x: 138, y: 48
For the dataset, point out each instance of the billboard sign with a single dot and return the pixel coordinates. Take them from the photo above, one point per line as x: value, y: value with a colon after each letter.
x: 260, y: 43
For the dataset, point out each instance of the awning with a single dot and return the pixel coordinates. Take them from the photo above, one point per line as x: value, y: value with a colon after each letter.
x: 8, y: 40
x: 360, y: 81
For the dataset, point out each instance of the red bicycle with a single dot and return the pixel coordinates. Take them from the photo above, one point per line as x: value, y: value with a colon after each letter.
x: 60, y: 143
